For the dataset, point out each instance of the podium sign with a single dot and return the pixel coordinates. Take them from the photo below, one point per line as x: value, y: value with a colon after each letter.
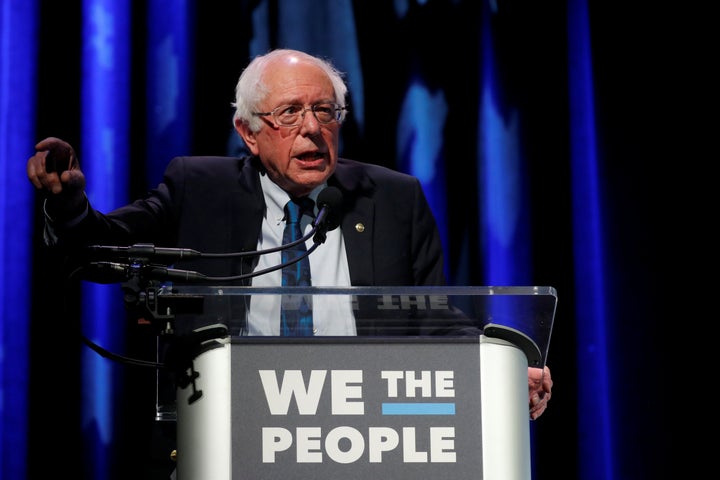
x: 319, y: 410
x: 400, y: 407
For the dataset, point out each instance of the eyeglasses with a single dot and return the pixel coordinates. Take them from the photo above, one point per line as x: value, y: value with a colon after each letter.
x: 293, y: 115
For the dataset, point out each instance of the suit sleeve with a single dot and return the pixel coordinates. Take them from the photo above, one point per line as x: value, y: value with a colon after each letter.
x: 426, y: 246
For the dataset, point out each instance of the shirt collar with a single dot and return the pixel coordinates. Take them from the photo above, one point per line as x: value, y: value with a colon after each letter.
x: 276, y: 198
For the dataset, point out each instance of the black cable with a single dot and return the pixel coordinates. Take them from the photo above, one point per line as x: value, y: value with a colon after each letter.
x: 103, y: 351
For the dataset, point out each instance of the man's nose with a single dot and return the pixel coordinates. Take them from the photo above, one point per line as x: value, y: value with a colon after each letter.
x: 309, y: 124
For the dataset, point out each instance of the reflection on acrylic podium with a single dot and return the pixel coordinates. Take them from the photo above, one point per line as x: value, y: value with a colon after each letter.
x: 401, y: 405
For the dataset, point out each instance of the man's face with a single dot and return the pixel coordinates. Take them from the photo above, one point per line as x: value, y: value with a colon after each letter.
x: 301, y: 157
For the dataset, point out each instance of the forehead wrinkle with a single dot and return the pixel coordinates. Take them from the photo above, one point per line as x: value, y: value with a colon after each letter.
x: 295, y: 83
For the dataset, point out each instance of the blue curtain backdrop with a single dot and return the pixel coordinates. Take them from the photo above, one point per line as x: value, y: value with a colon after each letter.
x: 529, y: 124
x: 18, y: 34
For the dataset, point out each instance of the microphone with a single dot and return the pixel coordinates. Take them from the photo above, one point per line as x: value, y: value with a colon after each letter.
x: 145, y: 250
x: 329, y: 202
x: 113, y: 272
x: 105, y: 272
x: 157, y: 272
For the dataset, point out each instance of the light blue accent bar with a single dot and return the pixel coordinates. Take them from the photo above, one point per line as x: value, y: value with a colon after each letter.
x: 418, y: 409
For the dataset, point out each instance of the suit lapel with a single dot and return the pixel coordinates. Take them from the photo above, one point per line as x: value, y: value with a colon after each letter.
x: 246, y: 213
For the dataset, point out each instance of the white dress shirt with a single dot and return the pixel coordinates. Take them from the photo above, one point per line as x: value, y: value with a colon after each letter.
x: 332, y: 314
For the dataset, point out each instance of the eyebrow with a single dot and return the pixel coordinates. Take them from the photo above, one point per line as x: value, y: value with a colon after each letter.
x: 297, y: 102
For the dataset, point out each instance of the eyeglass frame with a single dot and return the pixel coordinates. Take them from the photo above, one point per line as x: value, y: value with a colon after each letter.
x: 303, y: 109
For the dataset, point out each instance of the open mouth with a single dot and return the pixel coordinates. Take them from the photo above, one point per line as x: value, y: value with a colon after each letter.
x: 311, y: 156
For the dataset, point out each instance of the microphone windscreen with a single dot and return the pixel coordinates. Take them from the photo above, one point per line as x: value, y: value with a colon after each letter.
x: 332, y: 199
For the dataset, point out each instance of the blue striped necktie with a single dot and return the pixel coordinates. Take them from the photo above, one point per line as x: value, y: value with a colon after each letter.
x: 296, y: 310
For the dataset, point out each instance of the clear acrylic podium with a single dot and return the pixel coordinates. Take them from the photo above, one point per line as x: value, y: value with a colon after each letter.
x: 415, y: 401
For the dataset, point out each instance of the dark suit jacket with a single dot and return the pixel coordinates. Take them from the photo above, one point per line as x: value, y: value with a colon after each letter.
x: 216, y: 205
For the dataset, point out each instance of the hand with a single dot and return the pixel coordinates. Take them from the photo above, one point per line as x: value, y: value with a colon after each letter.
x: 55, y: 169
x: 540, y: 390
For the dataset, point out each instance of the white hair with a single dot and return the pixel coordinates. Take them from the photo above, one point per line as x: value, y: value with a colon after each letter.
x: 251, y: 90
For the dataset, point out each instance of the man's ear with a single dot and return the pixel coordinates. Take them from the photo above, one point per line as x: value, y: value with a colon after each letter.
x: 247, y: 135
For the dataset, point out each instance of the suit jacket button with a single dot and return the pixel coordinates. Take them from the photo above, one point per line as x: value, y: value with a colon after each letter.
x: 359, y: 227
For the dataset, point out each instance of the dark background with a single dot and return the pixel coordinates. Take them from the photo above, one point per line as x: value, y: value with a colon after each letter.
x: 640, y: 72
